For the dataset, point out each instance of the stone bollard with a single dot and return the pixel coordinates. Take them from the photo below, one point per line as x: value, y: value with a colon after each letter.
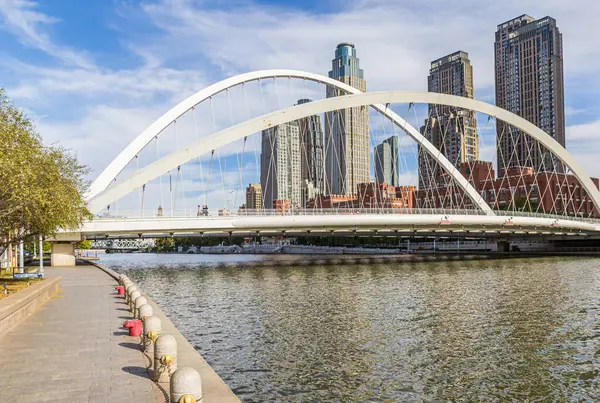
x: 165, y: 358
x: 129, y: 290
x: 123, y: 278
x: 139, y: 301
x: 145, y: 311
x: 152, y: 329
x: 186, y: 386
x: 132, y: 298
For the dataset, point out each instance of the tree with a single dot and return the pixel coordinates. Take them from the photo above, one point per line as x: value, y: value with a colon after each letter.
x: 85, y: 244
x: 41, y: 187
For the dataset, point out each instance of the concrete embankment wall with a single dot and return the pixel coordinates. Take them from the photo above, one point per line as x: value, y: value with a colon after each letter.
x: 18, y: 306
x: 213, y: 387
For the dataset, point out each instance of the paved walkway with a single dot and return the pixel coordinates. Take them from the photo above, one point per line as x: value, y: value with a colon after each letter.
x: 73, y: 349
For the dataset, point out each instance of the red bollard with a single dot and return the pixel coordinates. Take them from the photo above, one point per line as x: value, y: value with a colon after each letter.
x: 120, y: 290
x: 135, y: 327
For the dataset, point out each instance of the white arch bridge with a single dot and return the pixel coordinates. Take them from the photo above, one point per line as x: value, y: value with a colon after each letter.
x: 463, y: 205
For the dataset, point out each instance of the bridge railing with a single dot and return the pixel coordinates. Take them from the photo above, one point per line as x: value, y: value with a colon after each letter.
x: 212, y: 213
x: 122, y: 214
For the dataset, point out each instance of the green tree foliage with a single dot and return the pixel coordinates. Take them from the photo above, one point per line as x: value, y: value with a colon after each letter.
x: 85, y: 244
x: 164, y: 245
x: 42, y: 186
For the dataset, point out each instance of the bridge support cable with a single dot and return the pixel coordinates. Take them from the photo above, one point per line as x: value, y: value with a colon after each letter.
x: 239, y: 158
x: 249, y: 116
x: 162, y: 196
x: 142, y: 202
x: 179, y: 173
x: 137, y: 168
x: 202, y: 184
x: 212, y: 153
x: 433, y: 197
x: 171, y: 192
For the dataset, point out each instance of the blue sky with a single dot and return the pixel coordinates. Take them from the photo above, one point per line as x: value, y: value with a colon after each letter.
x: 105, y: 69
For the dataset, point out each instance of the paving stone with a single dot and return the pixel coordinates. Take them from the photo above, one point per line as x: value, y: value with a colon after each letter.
x: 74, y: 349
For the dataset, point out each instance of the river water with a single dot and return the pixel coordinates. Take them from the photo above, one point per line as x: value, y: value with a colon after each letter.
x: 494, y: 330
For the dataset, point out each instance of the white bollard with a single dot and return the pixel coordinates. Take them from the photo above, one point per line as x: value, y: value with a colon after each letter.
x: 165, y: 358
x: 145, y: 311
x: 129, y: 290
x: 151, y: 330
x: 186, y: 386
x: 139, y: 301
x: 132, y: 298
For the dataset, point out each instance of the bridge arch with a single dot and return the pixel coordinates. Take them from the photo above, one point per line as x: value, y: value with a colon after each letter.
x: 106, y: 177
x: 234, y: 133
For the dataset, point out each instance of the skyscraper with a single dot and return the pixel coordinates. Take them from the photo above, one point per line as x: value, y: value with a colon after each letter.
x: 311, y: 150
x: 451, y: 130
x: 280, y: 171
x: 347, y: 130
x: 529, y: 83
x: 386, y: 161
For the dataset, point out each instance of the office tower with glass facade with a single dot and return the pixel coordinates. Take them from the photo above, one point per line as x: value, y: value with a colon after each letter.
x: 347, y: 149
x: 529, y: 83
x: 253, y: 197
x: 311, y: 150
x: 451, y: 130
x: 386, y: 161
x: 280, y: 173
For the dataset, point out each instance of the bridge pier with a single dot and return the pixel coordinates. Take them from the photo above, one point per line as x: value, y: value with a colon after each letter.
x: 503, y: 245
x: 63, y: 249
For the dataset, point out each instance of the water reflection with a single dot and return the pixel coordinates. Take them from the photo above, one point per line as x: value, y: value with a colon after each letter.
x: 480, y: 330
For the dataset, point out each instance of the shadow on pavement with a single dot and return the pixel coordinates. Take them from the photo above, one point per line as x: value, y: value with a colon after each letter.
x: 133, y: 346
x: 139, y: 371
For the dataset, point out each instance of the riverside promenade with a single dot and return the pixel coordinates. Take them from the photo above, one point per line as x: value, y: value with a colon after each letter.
x: 74, y: 349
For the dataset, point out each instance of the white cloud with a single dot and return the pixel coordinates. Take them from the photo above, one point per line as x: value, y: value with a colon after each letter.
x: 21, y: 18
x: 588, y: 132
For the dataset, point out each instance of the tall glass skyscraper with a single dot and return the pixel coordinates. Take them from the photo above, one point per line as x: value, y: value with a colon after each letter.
x: 386, y: 161
x: 451, y: 130
x: 530, y: 83
x: 346, y: 131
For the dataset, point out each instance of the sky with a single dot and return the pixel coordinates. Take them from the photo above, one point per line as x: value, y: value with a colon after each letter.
x: 93, y: 74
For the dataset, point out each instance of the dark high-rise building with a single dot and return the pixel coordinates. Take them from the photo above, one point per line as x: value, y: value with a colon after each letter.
x: 451, y: 130
x: 386, y: 161
x: 311, y: 150
x: 346, y: 131
x: 529, y: 83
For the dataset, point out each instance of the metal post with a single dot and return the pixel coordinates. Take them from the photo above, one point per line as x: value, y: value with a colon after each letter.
x: 21, y: 257
x: 458, y: 245
x: 433, y: 245
x: 41, y: 247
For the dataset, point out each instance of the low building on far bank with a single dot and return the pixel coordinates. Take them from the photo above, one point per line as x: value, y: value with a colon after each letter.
x: 369, y: 196
x: 515, y: 188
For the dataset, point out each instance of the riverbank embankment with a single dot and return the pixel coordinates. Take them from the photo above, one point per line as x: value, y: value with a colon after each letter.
x: 213, y: 387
